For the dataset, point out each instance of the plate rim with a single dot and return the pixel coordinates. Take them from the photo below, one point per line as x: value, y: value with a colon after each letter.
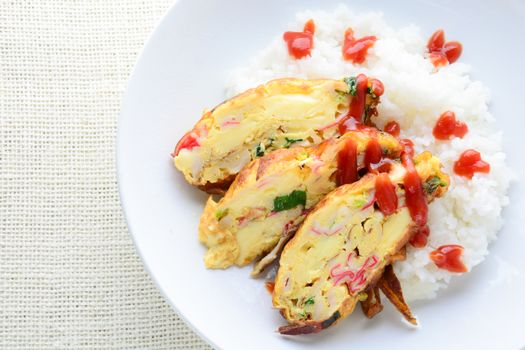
x: 119, y: 148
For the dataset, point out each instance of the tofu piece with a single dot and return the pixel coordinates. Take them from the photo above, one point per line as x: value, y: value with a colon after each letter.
x: 342, y: 248
x: 252, y: 218
x: 282, y: 113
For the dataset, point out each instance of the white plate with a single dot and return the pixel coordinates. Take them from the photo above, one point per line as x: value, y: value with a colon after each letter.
x: 183, y: 69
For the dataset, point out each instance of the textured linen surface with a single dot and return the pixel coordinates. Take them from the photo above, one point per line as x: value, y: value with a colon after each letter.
x: 69, y: 275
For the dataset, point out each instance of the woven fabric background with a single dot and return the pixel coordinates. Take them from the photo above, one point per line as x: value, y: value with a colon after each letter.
x: 69, y: 275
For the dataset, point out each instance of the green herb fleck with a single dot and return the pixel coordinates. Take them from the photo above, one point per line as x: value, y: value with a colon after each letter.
x: 220, y: 213
x: 432, y: 185
x: 342, y: 96
x: 259, y: 152
x: 302, y: 314
x: 358, y: 203
x: 290, y: 142
x: 366, y: 117
x: 352, y: 85
x: 309, y: 301
x: 271, y: 139
x: 289, y: 201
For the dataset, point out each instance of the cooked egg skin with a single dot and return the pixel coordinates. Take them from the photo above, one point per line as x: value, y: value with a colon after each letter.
x: 342, y: 247
x: 247, y: 222
x: 282, y: 113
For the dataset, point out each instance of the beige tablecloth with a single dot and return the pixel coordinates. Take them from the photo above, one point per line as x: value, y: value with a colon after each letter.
x: 69, y: 275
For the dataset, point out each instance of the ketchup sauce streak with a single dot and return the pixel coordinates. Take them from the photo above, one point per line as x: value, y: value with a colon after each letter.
x: 376, y: 87
x: 447, y: 127
x: 392, y: 127
x: 448, y: 257
x: 373, y: 154
x: 442, y: 53
x: 300, y: 44
x: 415, y: 199
x: 347, y: 163
x: 357, y: 105
x: 408, y: 147
x: 470, y: 162
x: 355, y: 50
x: 420, y: 236
x: 414, y: 195
x: 351, y: 124
x: 385, y: 194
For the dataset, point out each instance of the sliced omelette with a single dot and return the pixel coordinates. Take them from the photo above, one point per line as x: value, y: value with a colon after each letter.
x: 282, y: 113
x: 344, y: 244
x: 271, y: 196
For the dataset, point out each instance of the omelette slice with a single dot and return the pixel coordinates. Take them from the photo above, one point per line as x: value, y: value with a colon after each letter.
x: 279, y: 114
x: 272, y: 195
x: 343, y: 246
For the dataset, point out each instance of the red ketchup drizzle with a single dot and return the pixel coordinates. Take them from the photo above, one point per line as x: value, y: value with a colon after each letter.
x: 386, y: 196
x: 376, y: 87
x: 414, y: 196
x: 355, y: 50
x: 373, y: 160
x: 300, y: 44
x: 373, y: 153
x: 448, y: 257
x: 351, y: 124
x: 447, y: 127
x: 188, y: 141
x: 392, y: 127
x: 470, y: 162
x: 357, y: 105
x: 442, y: 53
x: 347, y: 163
x: 420, y: 236
x: 408, y: 146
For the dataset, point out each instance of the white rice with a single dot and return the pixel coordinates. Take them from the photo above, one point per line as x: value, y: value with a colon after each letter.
x: 415, y: 95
